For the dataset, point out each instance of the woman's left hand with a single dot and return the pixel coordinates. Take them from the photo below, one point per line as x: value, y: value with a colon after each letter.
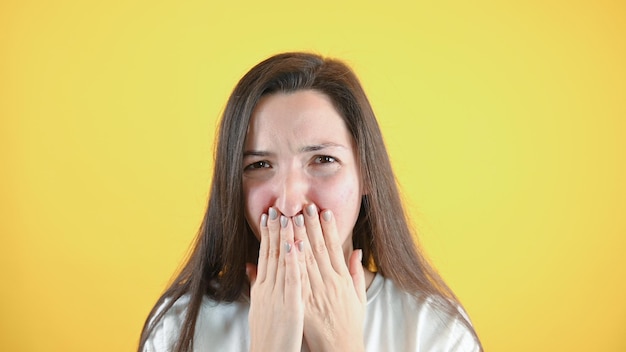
x: 334, y: 293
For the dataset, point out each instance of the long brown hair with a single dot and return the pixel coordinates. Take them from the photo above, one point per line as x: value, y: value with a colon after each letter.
x: 225, y: 242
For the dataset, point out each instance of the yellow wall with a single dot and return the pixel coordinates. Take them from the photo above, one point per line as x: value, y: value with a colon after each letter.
x: 506, y: 124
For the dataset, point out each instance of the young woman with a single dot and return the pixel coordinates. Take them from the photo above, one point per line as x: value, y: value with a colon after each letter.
x: 305, y: 244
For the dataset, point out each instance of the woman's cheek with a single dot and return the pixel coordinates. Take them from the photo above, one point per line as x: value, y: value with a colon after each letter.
x: 255, y: 200
x: 348, y: 217
x: 343, y: 197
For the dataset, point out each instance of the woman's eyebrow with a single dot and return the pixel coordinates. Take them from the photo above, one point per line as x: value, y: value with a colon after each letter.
x: 261, y: 153
x: 317, y: 147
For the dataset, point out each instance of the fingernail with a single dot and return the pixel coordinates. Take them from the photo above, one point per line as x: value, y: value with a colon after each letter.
x: 287, y: 247
x: 273, y: 214
x: 360, y: 255
x: 300, y: 246
x: 299, y: 220
x: 327, y: 215
x: 283, y: 221
x: 310, y: 209
x: 264, y: 220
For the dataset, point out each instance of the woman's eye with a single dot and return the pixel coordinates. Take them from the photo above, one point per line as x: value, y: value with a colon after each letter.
x: 258, y: 165
x: 324, y: 159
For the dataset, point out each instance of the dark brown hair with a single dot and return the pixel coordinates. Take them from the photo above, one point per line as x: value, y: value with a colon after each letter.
x: 225, y: 242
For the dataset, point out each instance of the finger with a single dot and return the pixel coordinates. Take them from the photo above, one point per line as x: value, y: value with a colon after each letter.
x: 286, y: 229
x: 316, y: 240
x: 299, y: 231
x: 273, y: 251
x: 300, y: 238
x: 333, y: 243
x: 358, y: 275
x: 304, y: 276
x: 263, y: 249
x: 292, y: 273
x: 286, y: 241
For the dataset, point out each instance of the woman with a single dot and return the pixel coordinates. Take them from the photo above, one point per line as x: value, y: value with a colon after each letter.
x: 304, y: 244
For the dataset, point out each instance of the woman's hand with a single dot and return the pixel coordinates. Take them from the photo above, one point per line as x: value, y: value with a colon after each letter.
x: 334, y: 294
x: 276, y: 315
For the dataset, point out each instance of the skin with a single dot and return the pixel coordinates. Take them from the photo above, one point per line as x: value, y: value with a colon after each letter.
x: 303, y: 191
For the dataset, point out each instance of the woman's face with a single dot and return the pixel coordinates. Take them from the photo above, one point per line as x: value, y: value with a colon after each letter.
x: 298, y: 151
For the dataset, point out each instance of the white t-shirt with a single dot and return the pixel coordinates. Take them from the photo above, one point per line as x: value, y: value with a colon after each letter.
x: 394, y: 321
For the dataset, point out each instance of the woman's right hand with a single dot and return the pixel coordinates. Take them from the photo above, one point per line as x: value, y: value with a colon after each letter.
x: 276, y: 315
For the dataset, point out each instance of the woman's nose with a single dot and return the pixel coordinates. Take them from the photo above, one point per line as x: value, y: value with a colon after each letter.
x: 292, y: 192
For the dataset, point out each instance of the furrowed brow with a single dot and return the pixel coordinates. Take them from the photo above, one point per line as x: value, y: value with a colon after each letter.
x: 318, y: 147
x: 260, y: 153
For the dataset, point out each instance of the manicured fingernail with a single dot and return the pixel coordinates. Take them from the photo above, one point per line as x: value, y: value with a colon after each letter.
x: 264, y: 220
x: 360, y: 255
x: 273, y: 214
x: 310, y: 209
x: 327, y: 215
x: 300, y: 246
x: 287, y: 247
x: 299, y: 220
x: 283, y: 221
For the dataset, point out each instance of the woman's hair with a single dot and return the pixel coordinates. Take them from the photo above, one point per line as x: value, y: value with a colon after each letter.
x: 225, y: 241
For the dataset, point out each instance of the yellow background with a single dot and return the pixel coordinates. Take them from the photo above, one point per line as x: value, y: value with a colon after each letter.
x: 505, y: 122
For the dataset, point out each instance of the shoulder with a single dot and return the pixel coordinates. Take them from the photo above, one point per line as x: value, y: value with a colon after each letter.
x: 217, y: 323
x: 398, y: 320
x: 165, y: 331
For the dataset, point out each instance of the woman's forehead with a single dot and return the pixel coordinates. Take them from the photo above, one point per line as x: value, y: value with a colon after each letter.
x: 303, y: 118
